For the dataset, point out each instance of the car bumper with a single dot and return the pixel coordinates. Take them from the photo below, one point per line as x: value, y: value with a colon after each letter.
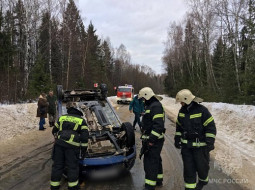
x: 108, y: 160
x: 90, y: 165
x: 124, y: 99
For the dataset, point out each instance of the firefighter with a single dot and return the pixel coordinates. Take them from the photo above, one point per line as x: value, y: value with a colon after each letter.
x: 152, y: 138
x: 195, y: 135
x: 71, y: 138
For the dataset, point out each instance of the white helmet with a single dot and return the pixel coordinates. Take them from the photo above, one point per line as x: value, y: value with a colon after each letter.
x: 187, y: 97
x: 147, y: 93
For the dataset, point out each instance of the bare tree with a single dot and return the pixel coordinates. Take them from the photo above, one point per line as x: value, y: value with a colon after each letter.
x: 203, y: 14
x: 231, y: 12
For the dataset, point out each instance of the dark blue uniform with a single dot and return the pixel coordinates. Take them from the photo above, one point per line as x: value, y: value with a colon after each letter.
x: 153, y: 126
x: 195, y: 133
x: 71, y: 133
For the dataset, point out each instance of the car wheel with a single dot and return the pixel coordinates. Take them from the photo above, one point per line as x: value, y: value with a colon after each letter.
x: 60, y: 92
x: 130, y: 135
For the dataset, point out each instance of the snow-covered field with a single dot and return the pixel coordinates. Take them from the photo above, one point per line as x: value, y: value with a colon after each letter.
x: 235, y: 147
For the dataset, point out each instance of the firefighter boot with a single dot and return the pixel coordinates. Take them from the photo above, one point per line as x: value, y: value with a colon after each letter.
x: 159, y: 184
x: 199, y: 186
x: 148, y: 188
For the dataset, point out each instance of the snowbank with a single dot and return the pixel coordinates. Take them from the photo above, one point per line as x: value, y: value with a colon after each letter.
x: 17, y: 119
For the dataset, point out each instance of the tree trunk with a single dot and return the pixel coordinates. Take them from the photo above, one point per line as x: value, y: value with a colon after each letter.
x: 68, y: 60
x: 85, y: 57
x: 50, y: 42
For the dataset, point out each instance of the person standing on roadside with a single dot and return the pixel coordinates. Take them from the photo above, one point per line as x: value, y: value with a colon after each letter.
x: 52, y: 100
x: 137, y: 106
x: 42, y: 110
x: 195, y: 135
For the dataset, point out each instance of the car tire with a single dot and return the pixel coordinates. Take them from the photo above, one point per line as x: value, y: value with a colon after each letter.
x: 60, y: 92
x: 130, y: 134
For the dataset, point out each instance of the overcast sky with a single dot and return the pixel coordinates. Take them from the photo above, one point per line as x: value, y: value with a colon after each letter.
x: 141, y: 25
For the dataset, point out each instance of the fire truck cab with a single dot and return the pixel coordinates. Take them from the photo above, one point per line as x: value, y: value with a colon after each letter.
x: 125, y: 94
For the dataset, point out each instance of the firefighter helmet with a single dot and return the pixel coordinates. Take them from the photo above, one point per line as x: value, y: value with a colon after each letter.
x: 187, y: 97
x: 147, y: 93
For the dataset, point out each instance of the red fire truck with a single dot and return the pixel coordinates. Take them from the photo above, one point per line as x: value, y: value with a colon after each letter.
x: 125, y: 94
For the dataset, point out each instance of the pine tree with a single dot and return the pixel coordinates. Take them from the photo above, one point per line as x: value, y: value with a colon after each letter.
x: 72, y: 28
x: 247, y: 44
x: 39, y: 80
x: 93, y: 58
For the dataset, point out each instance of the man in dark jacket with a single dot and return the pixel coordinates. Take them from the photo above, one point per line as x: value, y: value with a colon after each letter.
x: 71, y: 134
x: 195, y: 135
x: 52, y: 100
x: 152, y: 138
x: 137, y: 106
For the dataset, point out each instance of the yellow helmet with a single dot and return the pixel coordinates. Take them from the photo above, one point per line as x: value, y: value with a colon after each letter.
x: 187, y: 97
x: 147, y: 93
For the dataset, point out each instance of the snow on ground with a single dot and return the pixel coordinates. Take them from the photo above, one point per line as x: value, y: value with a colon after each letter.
x: 17, y: 119
x: 19, y: 131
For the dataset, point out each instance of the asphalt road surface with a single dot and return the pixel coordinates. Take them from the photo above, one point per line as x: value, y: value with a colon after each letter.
x: 32, y: 172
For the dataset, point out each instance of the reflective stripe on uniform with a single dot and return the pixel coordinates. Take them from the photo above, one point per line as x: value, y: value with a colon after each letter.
x: 157, y: 134
x: 190, y: 185
x: 150, y: 182
x: 71, y: 119
x: 205, y: 180
x: 178, y: 122
x: 195, y: 115
x: 147, y: 111
x: 56, y: 124
x: 84, y: 127
x: 160, y: 176
x: 208, y: 121
x: 84, y: 144
x: 181, y: 115
x: 178, y: 133
x: 55, y: 183
x: 70, y: 141
x: 76, y: 127
x: 196, y: 144
x: 158, y: 116
x: 60, y: 127
x: 145, y: 137
x: 72, y: 184
x: 210, y: 135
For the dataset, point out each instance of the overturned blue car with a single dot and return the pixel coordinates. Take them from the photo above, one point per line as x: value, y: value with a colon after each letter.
x: 111, y: 143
